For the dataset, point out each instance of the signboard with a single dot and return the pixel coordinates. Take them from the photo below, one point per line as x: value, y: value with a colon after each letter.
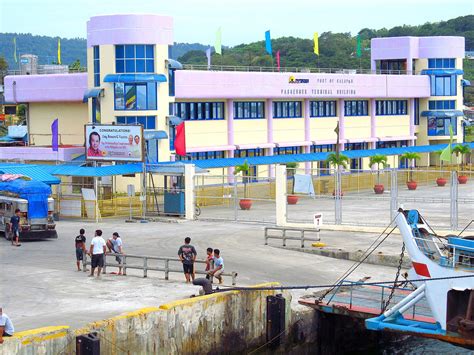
x: 130, y: 190
x: 318, y: 220
x: 114, y: 142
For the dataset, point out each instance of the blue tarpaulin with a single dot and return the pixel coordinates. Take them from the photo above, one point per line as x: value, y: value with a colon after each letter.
x: 35, y: 192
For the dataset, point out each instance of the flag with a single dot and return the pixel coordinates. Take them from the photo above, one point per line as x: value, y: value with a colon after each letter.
x: 208, y: 55
x: 447, y: 152
x: 55, y: 135
x: 59, y: 51
x: 268, y: 43
x: 218, y: 44
x: 14, y: 50
x: 316, y: 43
x: 278, y: 60
x: 180, y: 140
x: 359, y: 47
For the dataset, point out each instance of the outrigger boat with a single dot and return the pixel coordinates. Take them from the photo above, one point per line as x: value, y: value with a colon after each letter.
x: 443, y: 268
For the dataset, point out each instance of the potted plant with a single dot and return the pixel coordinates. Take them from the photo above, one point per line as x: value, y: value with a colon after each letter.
x: 291, y: 199
x: 378, y: 159
x: 244, y: 203
x: 337, y: 160
x: 440, y: 181
x: 410, y: 158
x: 463, y: 150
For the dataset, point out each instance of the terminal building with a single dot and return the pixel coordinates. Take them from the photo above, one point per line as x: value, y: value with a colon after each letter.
x: 410, y: 96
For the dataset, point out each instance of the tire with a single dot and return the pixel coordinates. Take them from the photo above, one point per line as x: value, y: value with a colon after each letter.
x: 197, y: 211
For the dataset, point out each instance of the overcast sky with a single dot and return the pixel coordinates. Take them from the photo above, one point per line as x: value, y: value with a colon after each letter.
x: 242, y: 21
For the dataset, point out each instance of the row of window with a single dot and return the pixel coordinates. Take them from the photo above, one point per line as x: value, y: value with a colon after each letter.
x: 287, y: 109
x: 356, y: 108
x: 443, y: 85
x: 323, y: 109
x: 287, y: 150
x: 249, y: 109
x: 96, y: 66
x: 135, y: 97
x: 441, y: 63
x: 442, y: 105
x: 148, y: 122
x: 439, y: 126
x: 134, y: 58
x: 391, y: 107
x: 201, y: 156
x: 199, y: 110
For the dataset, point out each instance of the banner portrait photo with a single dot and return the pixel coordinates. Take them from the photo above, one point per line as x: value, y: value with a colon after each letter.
x: 114, y: 142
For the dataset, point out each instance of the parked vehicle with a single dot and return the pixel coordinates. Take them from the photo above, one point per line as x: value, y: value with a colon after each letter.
x: 36, y: 207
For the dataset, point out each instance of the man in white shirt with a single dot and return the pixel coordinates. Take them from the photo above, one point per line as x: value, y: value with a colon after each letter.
x: 6, y: 326
x: 97, y: 251
x: 114, y: 245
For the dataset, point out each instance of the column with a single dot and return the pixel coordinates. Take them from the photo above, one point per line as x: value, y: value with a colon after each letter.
x: 269, y: 115
x: 373, y: 123
x: 373, y: 65
x: 307, y: 133
x: 280, y: 195
x: 189, y: 173
x: 341, y: 123
x: 230, y: 137
x: 409, y: 65
x: 411, y: 107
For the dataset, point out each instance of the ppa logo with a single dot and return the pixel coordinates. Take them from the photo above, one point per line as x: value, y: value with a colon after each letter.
x: 293, y: 80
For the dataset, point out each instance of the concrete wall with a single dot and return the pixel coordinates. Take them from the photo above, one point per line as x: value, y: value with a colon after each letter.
x: 72, y: 118
x: 220, y: 323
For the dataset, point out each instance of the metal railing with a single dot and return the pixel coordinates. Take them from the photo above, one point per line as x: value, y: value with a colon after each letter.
x: 48, y: 70
x: 284, y: 236
x: 146, y: 265
x: 294, y: 69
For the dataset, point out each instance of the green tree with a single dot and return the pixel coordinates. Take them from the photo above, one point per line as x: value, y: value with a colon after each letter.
x: 3, y: 68
x: 245, y: 170
x: 378, y: 159
x: 410, y: 160
x: 76, y: 66
x: 462, y: 150
x: 338, y: 159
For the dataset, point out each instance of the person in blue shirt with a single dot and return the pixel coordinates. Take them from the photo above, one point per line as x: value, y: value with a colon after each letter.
x: 218, y: 266
x: 15, y: 227
x: 6, y: 326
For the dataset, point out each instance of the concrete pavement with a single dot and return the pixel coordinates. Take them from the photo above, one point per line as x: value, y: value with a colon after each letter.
x: 40, y: 285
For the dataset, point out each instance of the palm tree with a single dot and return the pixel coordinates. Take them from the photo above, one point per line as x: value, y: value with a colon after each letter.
x: 463, y: 150
x: 378, y: 159
x: 244, y: 169
x: 410, y: 158
x: 290, y: 172
x: 337, y: 159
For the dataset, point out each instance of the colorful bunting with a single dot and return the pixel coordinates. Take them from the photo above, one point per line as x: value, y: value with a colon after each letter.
x: 316, y: 43
x: 14, y: 50
x: 278, y: 59
x: 359, y: 47
x: 268, y: 43
x: 59, y: 51
x: 218, y: 43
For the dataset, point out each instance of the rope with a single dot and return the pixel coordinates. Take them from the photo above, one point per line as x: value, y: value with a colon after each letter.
x: 268, y: 342
x: 353, y: 284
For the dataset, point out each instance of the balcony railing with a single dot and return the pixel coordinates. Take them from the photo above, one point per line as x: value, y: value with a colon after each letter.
x: 47, y: 70
x: 293, y: 69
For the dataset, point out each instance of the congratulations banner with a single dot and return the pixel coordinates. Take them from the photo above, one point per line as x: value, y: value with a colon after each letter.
x: 114, y: 142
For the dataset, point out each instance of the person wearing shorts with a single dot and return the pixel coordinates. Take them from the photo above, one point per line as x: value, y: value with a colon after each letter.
x: 218, y: 266
x: 80, y: 243
x: 97, y: 251
x: 187, y: 254
x: 15, y: 227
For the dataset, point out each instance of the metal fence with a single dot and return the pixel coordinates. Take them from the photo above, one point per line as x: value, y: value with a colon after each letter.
x: 349, y: 197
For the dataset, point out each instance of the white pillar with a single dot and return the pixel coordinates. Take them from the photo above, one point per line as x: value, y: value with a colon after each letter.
x: 189, y: 174
x: 280, y: 194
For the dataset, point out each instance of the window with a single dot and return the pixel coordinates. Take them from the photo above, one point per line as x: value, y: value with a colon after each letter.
x: 172, y: 135
x: 286, y: 109
x: 322, y: 148
x: 439, y: 126
x: 322, y: 108
x: 287, y: 150
x: 249, y: 109
x: 171, y: 86
x: 441, y: 63
x: 392, y: 144
x: 443, y: 85
x: 201, y: 156
x: 417, y: 112
x: 442, y: 105
x: 96, y: 66
x: 135, y: 96
x: 248, y: 153
x: 134, y: 58
x: 148, y: 122
x: 391, y: 107
x: 199, y: 110
x: 393, y: 66
x: 356, y: 108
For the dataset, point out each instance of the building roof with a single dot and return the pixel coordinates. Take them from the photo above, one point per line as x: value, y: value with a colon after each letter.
x: 35, y: 172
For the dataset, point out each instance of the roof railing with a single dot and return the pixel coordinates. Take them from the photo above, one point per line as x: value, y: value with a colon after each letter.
x: 45, y: 70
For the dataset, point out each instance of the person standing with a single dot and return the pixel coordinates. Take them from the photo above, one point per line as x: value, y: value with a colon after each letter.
x: 187, y: 254
x: 80, y: 243
x: 114, y: 245
x: 6, y: 326
x: 15, y: 227
x: 97, y: 251
x: 209, y: 261
x: 218, y: 266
